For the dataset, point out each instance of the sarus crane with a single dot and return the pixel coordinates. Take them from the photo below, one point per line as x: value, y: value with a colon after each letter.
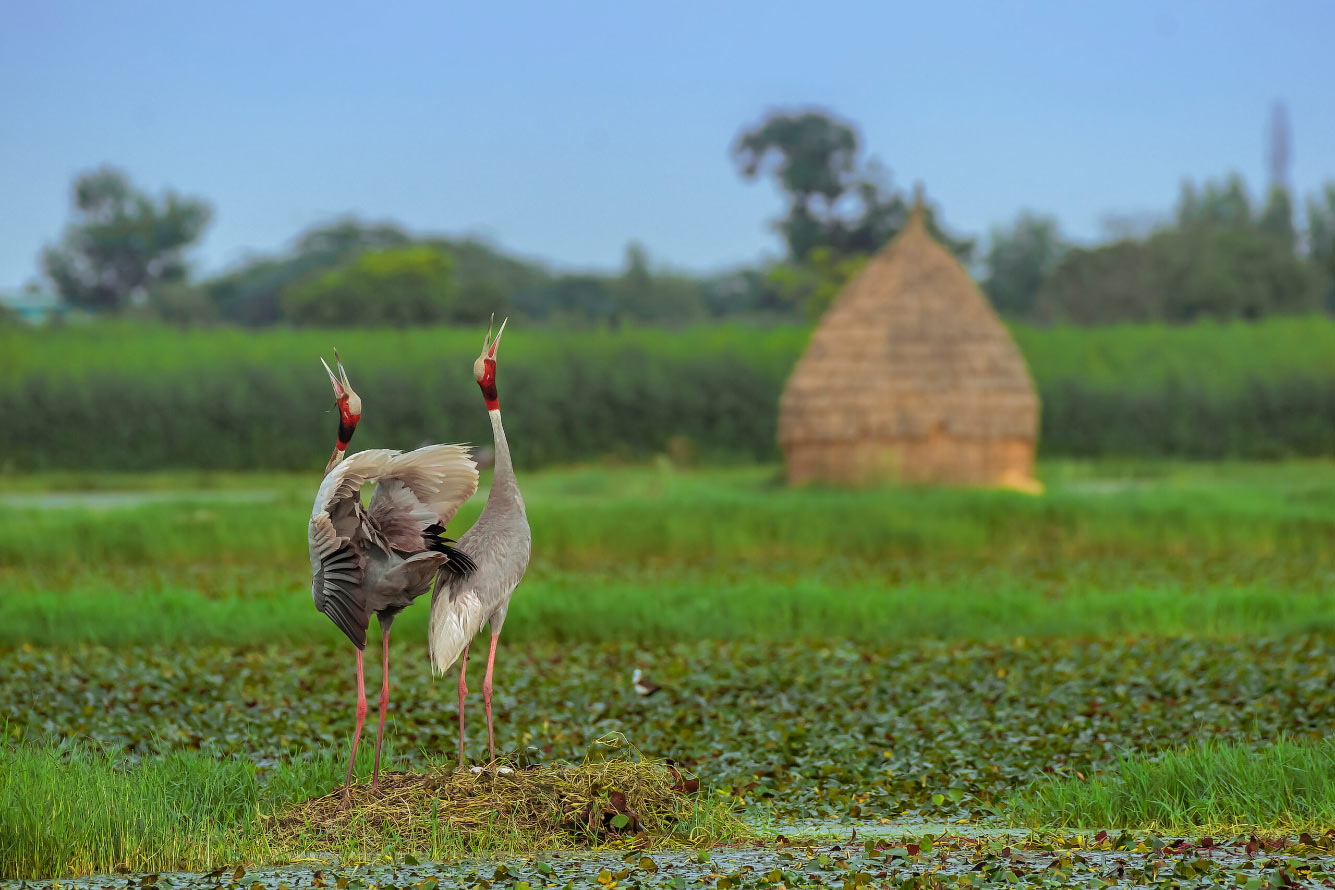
x: 376, y: 559
x: 499, y: 545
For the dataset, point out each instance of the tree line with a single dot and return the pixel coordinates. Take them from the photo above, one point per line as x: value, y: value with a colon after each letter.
x: 1221, y: 255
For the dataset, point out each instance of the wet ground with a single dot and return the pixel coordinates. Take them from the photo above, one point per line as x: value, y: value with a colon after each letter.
x: 870, y: 855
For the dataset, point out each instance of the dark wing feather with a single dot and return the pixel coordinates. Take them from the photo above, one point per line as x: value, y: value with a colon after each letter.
x: 336, y: 583
x: 460, y: 564
x: 400, y: 516
x: 420, y: 489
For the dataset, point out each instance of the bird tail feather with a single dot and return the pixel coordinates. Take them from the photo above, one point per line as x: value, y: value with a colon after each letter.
x: 455, y: 620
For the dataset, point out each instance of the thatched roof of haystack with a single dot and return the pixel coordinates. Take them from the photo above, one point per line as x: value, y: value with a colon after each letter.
x: 909, y: 350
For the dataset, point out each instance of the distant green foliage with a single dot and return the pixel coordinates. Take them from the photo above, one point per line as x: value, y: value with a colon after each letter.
x: 1220, y: 260
x: 814, y: 283
x: 1019, y: 259
x: 485, y: 279
x: 126, y: 397
x: 396, y: 287
x: 250, y: 294
x: 1181, y: 276
x: 837, y: 200
x: 841, y: 207
x: 639, y: 295
x: 1321, y: 238
x: 122, y: 243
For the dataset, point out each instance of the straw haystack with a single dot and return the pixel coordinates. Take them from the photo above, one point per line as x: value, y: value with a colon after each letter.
x: 910, y: 377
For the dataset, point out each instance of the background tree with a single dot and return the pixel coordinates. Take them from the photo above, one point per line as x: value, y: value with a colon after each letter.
x: 1180, y: 276
x: 1321, y: 238
x: 813, y: 285
x: 746, y: 293
x: 577, y: 300
x: 1215, y: 205
x: 1219, y: 260
x: 251, y: 294
x: 1020, y: 257
x: 397, y: 287
x: 835, y: 200
x: 122, y: 243
x: 182, y: 304
x: 814, y: 157
x: 1277, y: 217
x: 1118, y: 282
x: 840, y: 208
x: 657, y: 297
x: 488, y: 279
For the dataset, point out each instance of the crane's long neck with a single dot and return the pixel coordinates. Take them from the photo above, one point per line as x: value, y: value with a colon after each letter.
x: 503, y: 483
x: 334, y: 459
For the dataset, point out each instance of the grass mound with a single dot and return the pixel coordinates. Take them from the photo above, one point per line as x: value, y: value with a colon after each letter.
x: 623, y: 801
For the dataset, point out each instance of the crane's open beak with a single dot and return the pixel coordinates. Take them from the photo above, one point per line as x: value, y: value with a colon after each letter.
x: 491, y: 349
x: 349, y: 403
x: 342, y: 388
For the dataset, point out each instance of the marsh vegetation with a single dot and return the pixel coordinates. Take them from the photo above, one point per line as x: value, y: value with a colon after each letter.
x: 900, y: 655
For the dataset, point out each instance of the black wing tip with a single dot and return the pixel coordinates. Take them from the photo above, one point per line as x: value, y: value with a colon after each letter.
x: 460, y: 565
x: 345, y: 623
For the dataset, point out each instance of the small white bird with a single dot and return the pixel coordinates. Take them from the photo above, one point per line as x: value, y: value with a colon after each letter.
x: 643, y: 685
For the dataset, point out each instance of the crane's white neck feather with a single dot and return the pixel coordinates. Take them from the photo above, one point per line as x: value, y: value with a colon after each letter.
x: 503, y: 481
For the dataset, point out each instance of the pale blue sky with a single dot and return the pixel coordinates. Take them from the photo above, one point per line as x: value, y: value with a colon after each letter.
x: 563, y: 130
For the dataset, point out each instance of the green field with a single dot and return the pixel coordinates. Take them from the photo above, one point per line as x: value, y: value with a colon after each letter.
x: 657, y: 555
x: 131, y: 397
x: 897, y: 654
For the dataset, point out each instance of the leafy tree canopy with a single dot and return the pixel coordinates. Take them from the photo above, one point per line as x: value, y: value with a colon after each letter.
x: 835, y: 199
x: 122, y: 243
x: 251, y: 293
x: 1180, y: 276
x: 1221, y: 259
x: 1020, y: 257
x: 398, y: 287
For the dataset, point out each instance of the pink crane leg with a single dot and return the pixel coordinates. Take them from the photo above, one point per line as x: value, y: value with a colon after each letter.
x: 486, y: 697
x: 357, y: 733
x: 384, y: 705
x: 463, y: 691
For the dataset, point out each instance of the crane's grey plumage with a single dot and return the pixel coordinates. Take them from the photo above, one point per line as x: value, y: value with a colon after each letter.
x: 376, y: 559
x: 499, y: 545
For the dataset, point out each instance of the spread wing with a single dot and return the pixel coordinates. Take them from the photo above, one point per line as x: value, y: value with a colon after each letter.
x: 337, y: 570
x: 340, y: 494
x: 338, y: 533
x: 418, y: 493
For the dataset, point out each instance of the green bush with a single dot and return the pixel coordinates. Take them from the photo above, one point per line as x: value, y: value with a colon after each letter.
x: 400, y: 287
x: 123, y: 397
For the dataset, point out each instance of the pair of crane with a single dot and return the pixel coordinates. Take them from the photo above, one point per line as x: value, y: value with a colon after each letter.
x: 377, y: 558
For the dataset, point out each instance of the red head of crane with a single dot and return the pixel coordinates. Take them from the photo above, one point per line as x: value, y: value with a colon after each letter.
x: 349, y: 410
x: 484, y: 369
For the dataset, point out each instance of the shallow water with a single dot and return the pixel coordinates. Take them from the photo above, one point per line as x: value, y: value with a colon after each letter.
x: 966, y: 857
x: 843, y: 829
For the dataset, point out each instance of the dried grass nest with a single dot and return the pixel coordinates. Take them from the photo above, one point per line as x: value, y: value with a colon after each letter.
x: 630, y: 798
